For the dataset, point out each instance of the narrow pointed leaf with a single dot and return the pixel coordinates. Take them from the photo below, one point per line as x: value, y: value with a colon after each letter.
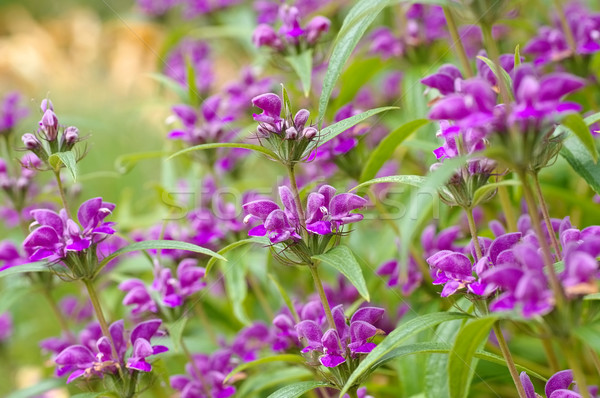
x: 298, y: 389
x: 342, y: 259
x: 302, y: 65
x: 461, y: 366
x: 29, y: 267
x: 353, y: 28
x: 505, y: 75
x: 387, y: 146
x: 578, y: 127
x: 330, y: 132
x: 57, y: 160
x: 483, y: 191
x: 415, y: 181
x: 275, y: 358
x: 159, y: 244
x: 202, y: 147
x: 395, y: 340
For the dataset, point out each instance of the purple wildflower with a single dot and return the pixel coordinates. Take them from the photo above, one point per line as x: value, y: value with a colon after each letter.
x: 6, y: 326
x: 557, y: 386
x: 335, y: 346
x: 197, y: 53
x: 86, y: 361
x: 204, y: 378
x: 11, y: 112
x: 326, y: 213
x: 57, y: 235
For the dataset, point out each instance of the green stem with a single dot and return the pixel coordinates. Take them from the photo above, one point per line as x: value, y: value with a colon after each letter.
x: 550, y: 354
x: 457, y: 43
x: 315, y: 274
x: 199, y: 309
x: 566, y: 28
x: 353, y: 392
x: 59, y: 316
x: 507, y: 209
x: 568, y: 349
x: 89, y: 285
x: 546, y: 215
x: 594, y: 356
x: 535, y: 222
x: 294, y: 186
x: 61, y: 191
x: 260, y: 296
x: 473, y: 230
x: 509, y: 360
x: 188, y: 354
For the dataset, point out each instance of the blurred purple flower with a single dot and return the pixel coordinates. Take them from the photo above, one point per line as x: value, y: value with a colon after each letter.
x: 6, y: 326
x: 11, y: 112
x: 204, y: 378
x: 197, y: 53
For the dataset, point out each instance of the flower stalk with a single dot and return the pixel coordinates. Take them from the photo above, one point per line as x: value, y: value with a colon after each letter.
x: 319, y: 285
x: 546, y: 215
x: 509, y: 360
x: 457, y: 43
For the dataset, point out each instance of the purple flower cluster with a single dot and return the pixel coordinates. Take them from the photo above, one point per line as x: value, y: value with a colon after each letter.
x: 197, y: 54
x: 11, y: 112
x: 271, y: 121
x: 172, y: 290
x: 424, y: 24
x: 190, y: 8
x: 511, y: 270
x: 205, y: 375
x: 290, y: 34
x: 57, y: 235
x: 343, y: 342
x: 326, y: 213
x: 558, y: 386
x: 551, y: 43
x: 98, y: 359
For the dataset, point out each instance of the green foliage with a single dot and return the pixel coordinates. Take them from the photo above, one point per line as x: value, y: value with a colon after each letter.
x: 57, y: 160
x: 297, y: 389
x: 302, y: 65
x: 342, y: 259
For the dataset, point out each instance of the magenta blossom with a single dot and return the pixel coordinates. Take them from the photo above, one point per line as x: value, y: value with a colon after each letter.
x: 57, y: 235
x: 326, y: 213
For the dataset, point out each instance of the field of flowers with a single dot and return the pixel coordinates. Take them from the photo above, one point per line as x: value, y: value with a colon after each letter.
x: 302, y: 198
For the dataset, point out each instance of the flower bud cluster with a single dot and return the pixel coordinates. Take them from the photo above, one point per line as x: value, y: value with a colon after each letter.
x: 51, y: 137
x: 290, y: 35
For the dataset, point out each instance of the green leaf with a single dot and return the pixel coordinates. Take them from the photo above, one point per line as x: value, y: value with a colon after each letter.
x: 330, y: 132
x: 592, y: 119
x: 227, y: 248
x: 171, y: 84
x: 577, y: 125
x: 287, y: 104
x: 483, y: 191
x: 176, y: 329
x: 158, y: 244
x: 297, y: 389
x: 353, y: 28
x: 190, y: 74
x: 461, y: 367
x: 38, y: 389
x: 582, y: 162
x: 29, y: 267
x: 266, y: 380
x: 505, y: 75
x: 93, y: 394
x: 342, y: 259
x: 593, y: 296
x: 589, y: 335
x: 430, y: 347
x: 517, y: 56
x: 125, y: 163
x: 56, y: 160
x: 275, y: 358
x: 236, y: 285
x: 286, y: 298
x: 415, y: 181
x: 395, y: 340
x: 387, y: 146
x: 302, y: 65
x: 202, y: 147
x: 433, y: 182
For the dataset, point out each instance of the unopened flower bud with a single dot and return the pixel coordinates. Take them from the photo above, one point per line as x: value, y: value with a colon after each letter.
x: 291, y: 133
x: 265, y: 35
x: 71, y: 135
x: 301, y: 118
x: 310, y: 133
x: 316, y: 27
x: 49, y: 124
x: 46, y: 104
x: 30, y: 141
